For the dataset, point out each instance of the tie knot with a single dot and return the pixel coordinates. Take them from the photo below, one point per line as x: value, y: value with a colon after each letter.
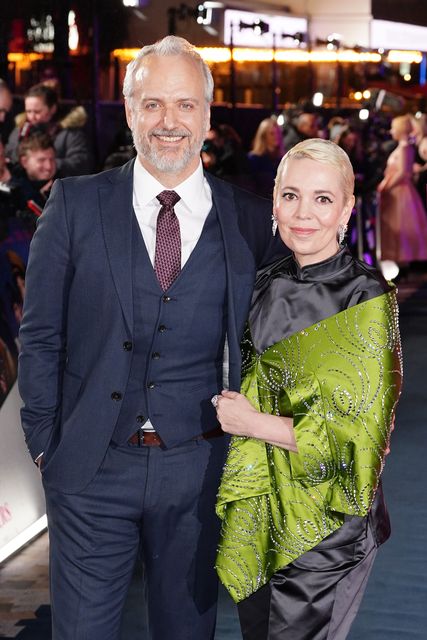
x: 168, y: 198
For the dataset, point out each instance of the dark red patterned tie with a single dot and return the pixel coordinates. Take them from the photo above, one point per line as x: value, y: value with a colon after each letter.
x: 167, y: 260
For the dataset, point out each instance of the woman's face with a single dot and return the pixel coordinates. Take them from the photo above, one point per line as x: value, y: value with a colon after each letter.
x: 272, y: 137
x: 309, y: 209
x: 37, y: 111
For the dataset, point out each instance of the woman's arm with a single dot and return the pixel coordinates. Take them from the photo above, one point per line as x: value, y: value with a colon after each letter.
x: 238, y: 417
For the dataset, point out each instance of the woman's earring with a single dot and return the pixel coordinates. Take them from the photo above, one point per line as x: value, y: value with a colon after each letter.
x: 342, y: 230
x: 274, y: 224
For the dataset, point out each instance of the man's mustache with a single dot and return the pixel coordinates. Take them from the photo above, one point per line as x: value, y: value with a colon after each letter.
x: 171, y: 133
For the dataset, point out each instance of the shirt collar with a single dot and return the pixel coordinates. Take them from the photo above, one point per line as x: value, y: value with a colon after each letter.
x: 146, y: 187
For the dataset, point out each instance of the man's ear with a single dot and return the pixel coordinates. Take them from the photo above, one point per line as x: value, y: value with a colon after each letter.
x: 129, y: 115
x: 23, y: 161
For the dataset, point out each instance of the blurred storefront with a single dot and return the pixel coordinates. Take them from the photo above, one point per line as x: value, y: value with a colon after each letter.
x: 272, y: 56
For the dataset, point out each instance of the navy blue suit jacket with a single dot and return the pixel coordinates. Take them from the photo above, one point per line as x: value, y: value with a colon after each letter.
x: 78, y: 313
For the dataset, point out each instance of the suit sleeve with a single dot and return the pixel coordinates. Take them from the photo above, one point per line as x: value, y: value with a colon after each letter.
x: 43, y: 328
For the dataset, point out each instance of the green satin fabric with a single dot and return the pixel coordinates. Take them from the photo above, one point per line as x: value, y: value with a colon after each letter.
x: 340, y: 380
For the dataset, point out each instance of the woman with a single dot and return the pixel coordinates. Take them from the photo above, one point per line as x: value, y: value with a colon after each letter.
x: 300, y: 498
x: 73, y: 156
x: 403, y: 219
x: 265, y: 155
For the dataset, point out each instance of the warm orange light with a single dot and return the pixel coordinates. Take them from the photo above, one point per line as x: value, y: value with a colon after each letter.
x: 215, y: 54
x: 24, y: 60
x: 241, y: 54
x: 395, y: 55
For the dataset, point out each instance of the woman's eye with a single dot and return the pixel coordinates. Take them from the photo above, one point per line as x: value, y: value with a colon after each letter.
x: 324, y: 200
x: 289, y: 196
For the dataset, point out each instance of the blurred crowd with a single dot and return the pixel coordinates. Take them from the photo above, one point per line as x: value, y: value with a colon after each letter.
x: 42, y: 141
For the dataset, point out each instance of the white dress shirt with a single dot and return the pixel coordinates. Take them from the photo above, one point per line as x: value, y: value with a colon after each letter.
x: 191, y: 211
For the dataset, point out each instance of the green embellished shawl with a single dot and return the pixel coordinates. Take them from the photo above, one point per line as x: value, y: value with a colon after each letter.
x: 340, y: 380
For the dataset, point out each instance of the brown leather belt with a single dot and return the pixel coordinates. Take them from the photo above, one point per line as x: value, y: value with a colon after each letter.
x: 152, y: 439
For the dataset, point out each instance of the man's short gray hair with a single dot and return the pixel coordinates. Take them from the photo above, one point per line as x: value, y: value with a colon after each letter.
x: 168, y: 46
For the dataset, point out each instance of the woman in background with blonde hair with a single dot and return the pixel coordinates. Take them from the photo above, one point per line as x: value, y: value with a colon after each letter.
x: 403, y: 219
x: 265, y: 155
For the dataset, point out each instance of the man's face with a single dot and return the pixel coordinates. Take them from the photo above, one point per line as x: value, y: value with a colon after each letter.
x: 307, y: 124
x: 37, y: 111
x: 5, y: 103
x: 169, y: 117
x: 39, y: 165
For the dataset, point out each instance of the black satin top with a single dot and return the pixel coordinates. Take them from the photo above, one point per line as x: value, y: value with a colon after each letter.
x: 288, y: 298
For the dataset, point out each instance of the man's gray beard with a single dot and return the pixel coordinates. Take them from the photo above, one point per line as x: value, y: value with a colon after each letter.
x: 165, y: 162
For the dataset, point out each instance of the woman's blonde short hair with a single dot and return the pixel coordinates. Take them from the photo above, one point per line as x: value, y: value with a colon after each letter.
x: 325, y: 152
x: 403, y: 124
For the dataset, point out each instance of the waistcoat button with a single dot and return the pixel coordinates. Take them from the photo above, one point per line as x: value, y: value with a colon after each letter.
x: 167, y: 298
x: 116, y: 395
x: 155, y: 355
x: 140, y: 419
x: 162, y: 328
x: 127, y: 346
x: 151, y: 385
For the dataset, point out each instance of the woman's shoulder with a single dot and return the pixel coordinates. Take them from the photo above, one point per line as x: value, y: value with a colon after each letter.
x: 368, y: 282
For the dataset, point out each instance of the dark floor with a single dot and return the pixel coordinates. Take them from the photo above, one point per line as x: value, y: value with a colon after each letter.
x: 395, y: 604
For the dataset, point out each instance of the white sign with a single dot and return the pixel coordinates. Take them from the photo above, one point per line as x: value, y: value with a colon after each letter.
x: 247, y: 29
x: 21, y: 495
x: 398, y: 35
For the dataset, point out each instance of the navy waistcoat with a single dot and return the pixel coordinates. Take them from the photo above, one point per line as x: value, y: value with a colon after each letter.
x: 178, y: 342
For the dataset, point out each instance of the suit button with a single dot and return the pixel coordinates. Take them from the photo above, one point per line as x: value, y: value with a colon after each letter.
x: 151, y: 385
x: 155, y: 355
x: 167, y: 298
x: 127, y: 346
x: 140, y: 419
x: 116, y: 395
x: 162, y: 328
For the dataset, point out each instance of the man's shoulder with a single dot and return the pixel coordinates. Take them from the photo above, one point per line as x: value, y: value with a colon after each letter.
x: 106, y: 178
x: 244, y: 199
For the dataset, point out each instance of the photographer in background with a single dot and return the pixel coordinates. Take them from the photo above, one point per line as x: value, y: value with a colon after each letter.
x: 37, y: 168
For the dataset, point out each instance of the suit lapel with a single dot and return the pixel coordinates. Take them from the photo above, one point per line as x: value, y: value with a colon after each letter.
x: 116, y: 214
x: 239, y: 265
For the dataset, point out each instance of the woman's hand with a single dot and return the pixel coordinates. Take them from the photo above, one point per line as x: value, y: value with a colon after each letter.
x: 238, y: 417
x: 235, y: 413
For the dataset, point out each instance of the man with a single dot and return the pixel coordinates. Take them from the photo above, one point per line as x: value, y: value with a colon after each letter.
x: 137, y: 280
x: 38, y: 162
x: 6, y: 112
x: 305, y: 126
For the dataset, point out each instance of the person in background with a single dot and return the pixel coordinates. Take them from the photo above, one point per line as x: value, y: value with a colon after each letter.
x: 37, y: 160
x: 403, y: 219
x: 265, y: 155
x: 301, y: 500
x: 6, y: 112
x: 5, y: 168
x: 223, y: 155
x: 420, y: 171
x: 73, y: 155
x: 419, y: 136
x: 151, y: 267
x: 305, y: 126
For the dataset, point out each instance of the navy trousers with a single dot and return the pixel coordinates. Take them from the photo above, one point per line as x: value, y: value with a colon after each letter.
x: 161, y: 501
